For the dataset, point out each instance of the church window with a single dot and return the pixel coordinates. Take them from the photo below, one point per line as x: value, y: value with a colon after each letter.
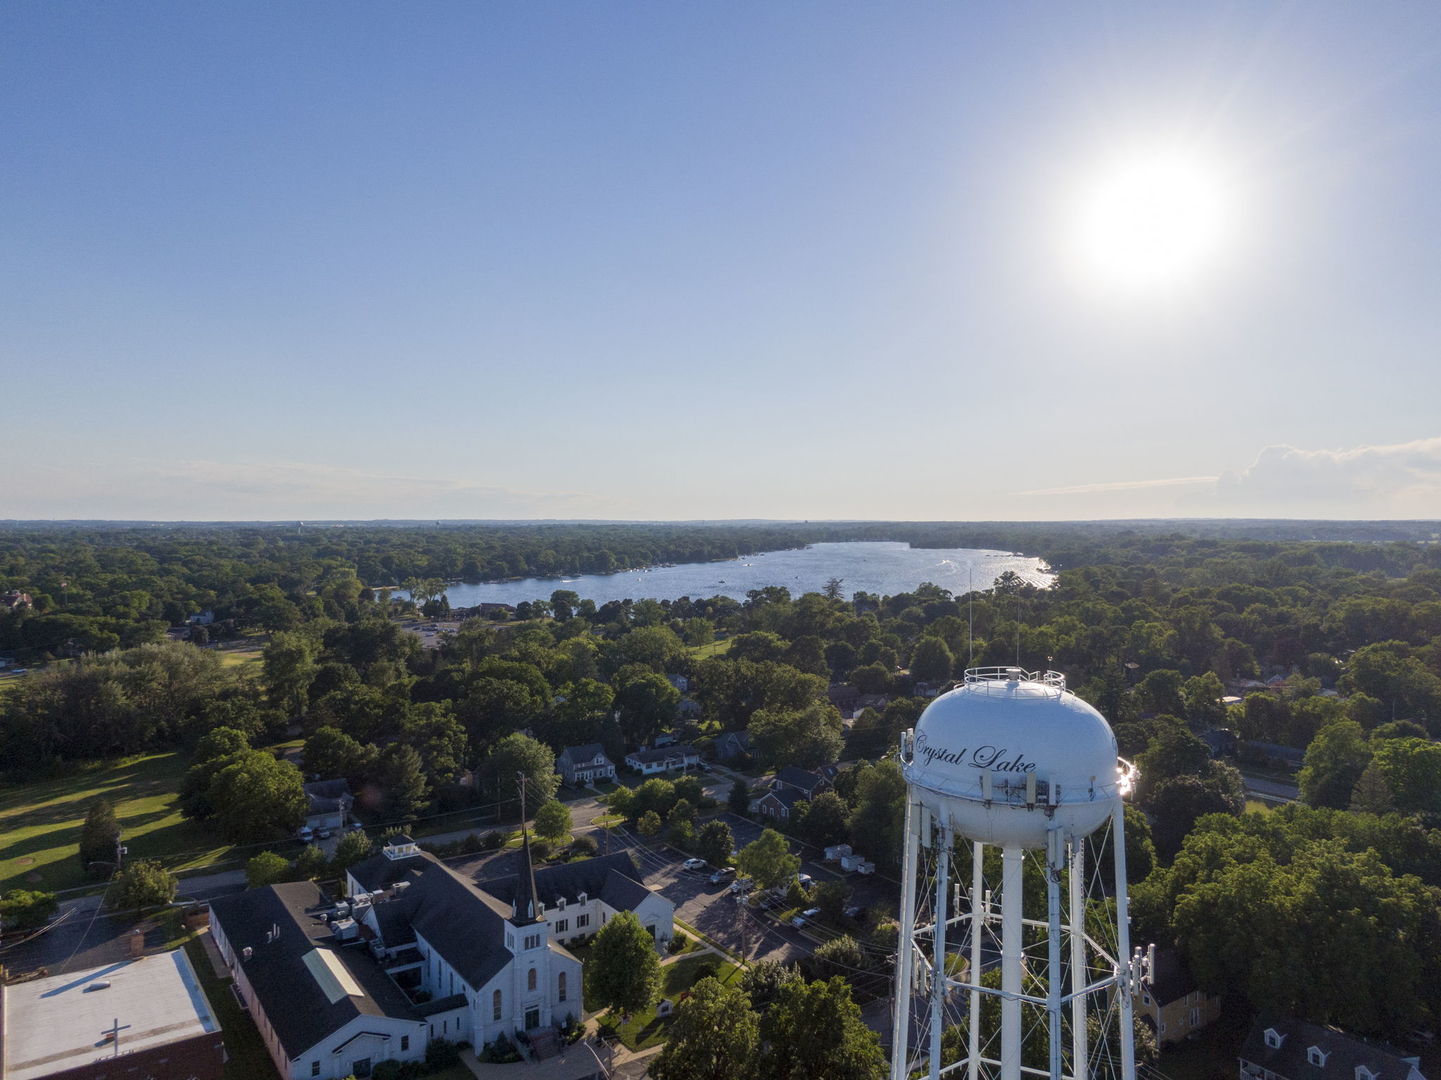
x: 495, y: 1005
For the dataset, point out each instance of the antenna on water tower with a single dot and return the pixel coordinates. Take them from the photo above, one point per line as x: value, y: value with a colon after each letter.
x: 1012, y: 760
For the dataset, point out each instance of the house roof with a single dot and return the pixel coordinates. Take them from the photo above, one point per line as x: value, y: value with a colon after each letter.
x: 786, y: 796
x: 740, y: 739
x: 679, y: 752
x: 462, y: 922
x: 308, y: 984
x: 582, y: 755
x: 328, y: 796
x: 1170, y: 979
x: 1344, y: 1052
x: 612, y: 878
x: 799, y: 778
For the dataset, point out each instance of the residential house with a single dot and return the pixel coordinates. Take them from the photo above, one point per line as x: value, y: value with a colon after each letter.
x: 779, y: 802
x: 15, y: 600
x: 328, y: 803
x: 662, y: 759
x: 1169, y: 999
x: 810, y: 784
x: 1279, y: 1049
x: 680, y: 682
x: 582, y: 765
x: 418, y: 952
x: 732, y: 745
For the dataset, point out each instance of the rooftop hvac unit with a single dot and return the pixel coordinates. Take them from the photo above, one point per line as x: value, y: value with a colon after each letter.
x: 345, y: 929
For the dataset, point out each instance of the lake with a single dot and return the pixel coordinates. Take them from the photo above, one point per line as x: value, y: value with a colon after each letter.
x: 883, y: 567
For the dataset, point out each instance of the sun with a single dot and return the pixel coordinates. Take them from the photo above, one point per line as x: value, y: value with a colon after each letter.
x: 1151, y: 221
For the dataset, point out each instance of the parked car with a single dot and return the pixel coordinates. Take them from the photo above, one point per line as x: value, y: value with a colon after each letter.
x: 356, y: 826
x: 805, y: 880
x: 854, y: 911
x: 805, y: 916
x: 742, y: 885
x: 305, y: 834
x: 325, y: 832
x: 723, y: 875
x: 693, y: 865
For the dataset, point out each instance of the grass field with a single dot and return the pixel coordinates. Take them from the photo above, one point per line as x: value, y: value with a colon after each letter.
x: 715, y: 648
x: 40, y: 822
x: 1258, y: 806
x: 239, y: 658
x: 247, y: 1057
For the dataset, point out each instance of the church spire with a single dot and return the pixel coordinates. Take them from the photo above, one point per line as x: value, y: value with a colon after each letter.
x: 526, y: 908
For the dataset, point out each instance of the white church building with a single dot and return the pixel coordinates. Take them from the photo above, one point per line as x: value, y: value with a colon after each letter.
x: 418, y: 952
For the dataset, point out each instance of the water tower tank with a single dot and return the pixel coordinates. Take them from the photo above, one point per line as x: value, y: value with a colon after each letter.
x: 1009, y: 755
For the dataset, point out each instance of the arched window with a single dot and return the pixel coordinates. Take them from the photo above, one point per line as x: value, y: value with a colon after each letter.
x: 530, y: 979
x: 495, y: 1005
x: 560, y: 987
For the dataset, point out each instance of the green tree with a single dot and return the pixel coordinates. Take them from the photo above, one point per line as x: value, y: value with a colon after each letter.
x: 1201, y: 698
x: 839, y: 956
x: 25, y: 909
x: 99, y: 836
x: 622, y: 971
x: 1372, y: 795
x: 1412, y: 771
x: 355, y: 846
x: 512, y: 755
x: 814, y: 1031
x: 401, y: 778
x: 1335, y: 760
x: 716, y: 843
x: 807, y: 738
x: 143, y: 883
x: 439, y: 737
x: 767, y: 860
x: 1179, y: 801
x: 763, y: 981
x: 825, y: 820
x: 289, y: 666
x: 267, y: 868
x: 880, y: 812
x: 739, y: 799
x: 932, y: 661
x: 330, y: 753
x: 257, y: 797
x: 552, y: 821
x: 212, y: 753
x: 648, y: 824
x: 714, y: 1036
x: 647, y: 705
x: 311, y: 863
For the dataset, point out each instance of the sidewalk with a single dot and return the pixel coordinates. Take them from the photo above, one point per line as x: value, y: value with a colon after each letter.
x: 578, y: 1061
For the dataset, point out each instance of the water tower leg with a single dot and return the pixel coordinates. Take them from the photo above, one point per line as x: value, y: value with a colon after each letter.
x: 1012, y: 886
x: 1123, y: 942
x: 938, y: 947
x: 1055, y: 863
x: 978, y: 926
x: 905, y: 949
x: 1080, y: 1043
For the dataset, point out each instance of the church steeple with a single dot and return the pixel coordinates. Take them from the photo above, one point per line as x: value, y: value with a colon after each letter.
x: 526, y: 907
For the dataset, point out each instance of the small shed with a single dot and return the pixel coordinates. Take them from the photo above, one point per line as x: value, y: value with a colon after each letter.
x: 837, y: 852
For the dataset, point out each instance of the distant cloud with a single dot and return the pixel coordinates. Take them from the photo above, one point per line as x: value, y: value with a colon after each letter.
x: 1400, y: 479
x: 1390, y: 481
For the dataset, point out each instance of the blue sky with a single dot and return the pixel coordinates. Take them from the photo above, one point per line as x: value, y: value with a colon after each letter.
x: 655, y: 260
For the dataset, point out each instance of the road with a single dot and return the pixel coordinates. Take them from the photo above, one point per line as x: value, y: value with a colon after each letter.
x: 1263, y: 787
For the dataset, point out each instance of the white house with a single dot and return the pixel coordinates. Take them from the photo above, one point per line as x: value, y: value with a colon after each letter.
x: 1286, y: 1049
x: 663, y: 759
x: 419, y: 952
x: 580, y: 765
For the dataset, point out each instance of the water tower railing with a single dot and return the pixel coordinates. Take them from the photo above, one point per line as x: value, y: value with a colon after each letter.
x: 1053, y: 679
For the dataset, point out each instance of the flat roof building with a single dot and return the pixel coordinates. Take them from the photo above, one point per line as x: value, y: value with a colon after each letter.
x: 147, y: 1017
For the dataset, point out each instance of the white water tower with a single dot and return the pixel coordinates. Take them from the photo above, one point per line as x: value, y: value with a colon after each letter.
x: 1012, y: 760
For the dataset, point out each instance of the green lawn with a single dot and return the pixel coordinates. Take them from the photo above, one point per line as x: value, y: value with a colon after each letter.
x: 645, y: 1029
x: 239, y: 658
x: 715, y: 648
x: 248, y: 1059
x: 1258, y: 806
x: 40, y: 821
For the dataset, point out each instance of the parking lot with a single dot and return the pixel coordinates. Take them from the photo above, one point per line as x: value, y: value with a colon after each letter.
x: 745, y: 929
